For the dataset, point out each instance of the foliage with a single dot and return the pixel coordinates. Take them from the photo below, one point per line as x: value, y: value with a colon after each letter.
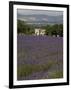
x: 56, y: 74
x: 24, y: 28
x: 28, y: 69
x: 55, y: 29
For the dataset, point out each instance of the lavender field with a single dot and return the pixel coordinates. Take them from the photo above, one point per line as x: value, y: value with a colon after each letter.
x: 39, y: 57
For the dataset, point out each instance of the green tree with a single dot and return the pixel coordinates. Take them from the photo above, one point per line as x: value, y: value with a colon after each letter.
x: 48, y: 29
x: 60, y: 30
x: 23, y: 27
x: 54, y: 29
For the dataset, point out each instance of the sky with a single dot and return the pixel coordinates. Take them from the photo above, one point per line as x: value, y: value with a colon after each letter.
x: 40, y: 16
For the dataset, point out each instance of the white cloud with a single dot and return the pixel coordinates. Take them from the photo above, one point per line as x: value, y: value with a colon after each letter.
x: 28, y: 18
x: 32, y: 18
x: 39, y: 12
x: 44, y: 19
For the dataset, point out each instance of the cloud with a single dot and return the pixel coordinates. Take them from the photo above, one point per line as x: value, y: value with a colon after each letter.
x: 27, y: 18
x: 39, y: 16
x: 39, y: 12
x: 32, y: 18
x: 44, y: 19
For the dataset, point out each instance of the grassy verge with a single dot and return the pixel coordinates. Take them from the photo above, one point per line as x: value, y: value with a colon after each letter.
x: 55, y: 74
x: 28, y: 69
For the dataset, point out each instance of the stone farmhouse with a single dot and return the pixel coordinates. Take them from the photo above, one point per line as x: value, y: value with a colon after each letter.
x: 39, y: 31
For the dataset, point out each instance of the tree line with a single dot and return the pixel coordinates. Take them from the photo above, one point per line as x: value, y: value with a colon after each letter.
x: 55, y: 29
x: 24, y: 28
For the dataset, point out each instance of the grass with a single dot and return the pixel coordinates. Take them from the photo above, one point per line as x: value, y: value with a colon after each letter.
x: 55, y: 74
x: 28, y: 69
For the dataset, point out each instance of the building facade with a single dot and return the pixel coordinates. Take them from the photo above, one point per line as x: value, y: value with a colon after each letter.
x: 39, y: 31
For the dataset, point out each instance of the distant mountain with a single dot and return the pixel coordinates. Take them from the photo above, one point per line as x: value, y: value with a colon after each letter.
x: 41, y: 19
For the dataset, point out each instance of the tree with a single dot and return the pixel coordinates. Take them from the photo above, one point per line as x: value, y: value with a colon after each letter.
x: 55, y: 29
x: 48, y: 29
x: 61, y: 30
x: 23, y: 27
